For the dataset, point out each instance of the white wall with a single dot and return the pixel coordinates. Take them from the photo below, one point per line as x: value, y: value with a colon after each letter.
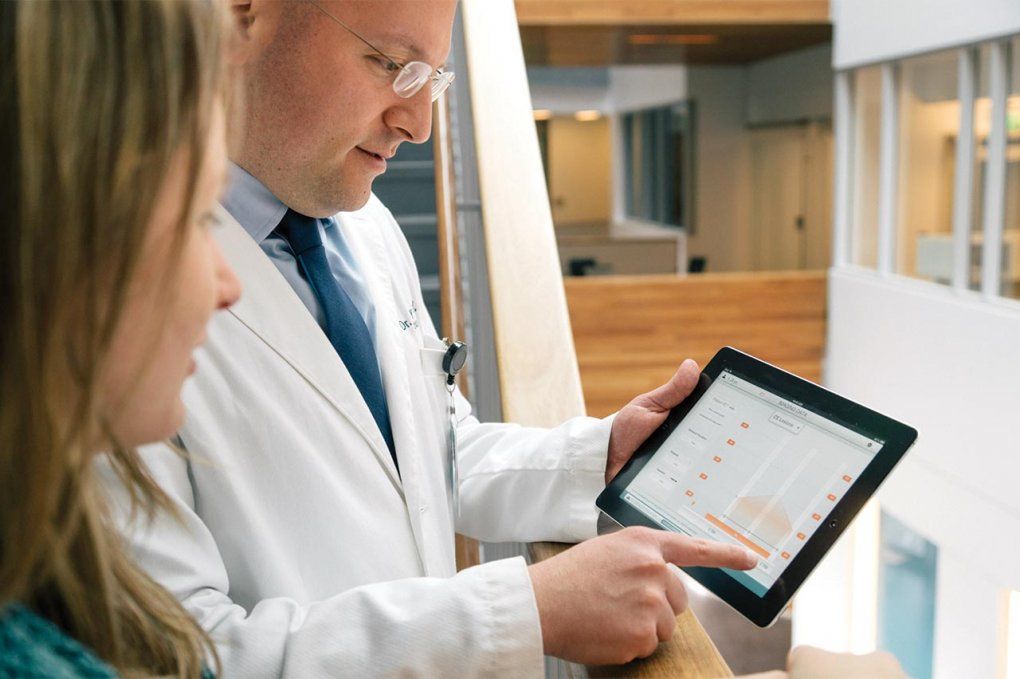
x: 946, y: 363
x: 565, y: 100
x: 790, y: 87
x: 623, y: 88
x: 722, y: 203
x: 867, y: 31
x: 637, y: 87
x: 566, y: 90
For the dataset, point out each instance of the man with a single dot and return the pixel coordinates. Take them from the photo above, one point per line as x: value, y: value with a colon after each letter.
x: 317, y: 537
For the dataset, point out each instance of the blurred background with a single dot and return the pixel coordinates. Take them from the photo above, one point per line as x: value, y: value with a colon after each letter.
x: 833, y: 186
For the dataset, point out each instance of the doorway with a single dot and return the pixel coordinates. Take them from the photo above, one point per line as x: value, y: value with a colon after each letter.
x: 791, y: 196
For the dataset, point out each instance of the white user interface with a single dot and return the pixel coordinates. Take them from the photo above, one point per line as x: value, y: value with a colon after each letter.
x: 750, y: 467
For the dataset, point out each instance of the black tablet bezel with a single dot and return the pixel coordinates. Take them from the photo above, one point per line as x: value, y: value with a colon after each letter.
x: 896, y: 436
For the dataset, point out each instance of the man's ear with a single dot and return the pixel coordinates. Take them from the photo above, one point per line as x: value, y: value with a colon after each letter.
x: 243, y: 13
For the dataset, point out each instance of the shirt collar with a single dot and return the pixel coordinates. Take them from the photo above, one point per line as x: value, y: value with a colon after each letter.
x: 254, y: 206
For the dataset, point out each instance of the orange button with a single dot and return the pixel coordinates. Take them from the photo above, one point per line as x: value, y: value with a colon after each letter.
x: 717, y: 458
x: 744, y: 425
x: 800, y: 536
x: 786, y: 555
x: 847, y: 478
x: 703, y: 476
x: 731, y: 442
x: 690, y: 493
x: 831, y: 497
x: 816, y: 517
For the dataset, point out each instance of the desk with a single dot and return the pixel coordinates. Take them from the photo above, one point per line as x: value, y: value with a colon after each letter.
x: 690, y: 654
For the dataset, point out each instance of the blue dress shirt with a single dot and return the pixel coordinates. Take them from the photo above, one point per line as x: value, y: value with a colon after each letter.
x: 257, y: 210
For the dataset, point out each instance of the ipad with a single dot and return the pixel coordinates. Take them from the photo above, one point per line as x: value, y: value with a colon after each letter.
x: 758, y: 457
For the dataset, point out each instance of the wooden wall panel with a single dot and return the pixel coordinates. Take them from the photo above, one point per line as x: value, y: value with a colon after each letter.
x: 631, y: 332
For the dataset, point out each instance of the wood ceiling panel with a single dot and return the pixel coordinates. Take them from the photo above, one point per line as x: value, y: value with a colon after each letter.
x: 592, y: 45
x: 668, y: 12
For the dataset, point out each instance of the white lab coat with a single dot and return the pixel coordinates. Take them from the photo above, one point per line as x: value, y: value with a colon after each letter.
x: 302, y: 551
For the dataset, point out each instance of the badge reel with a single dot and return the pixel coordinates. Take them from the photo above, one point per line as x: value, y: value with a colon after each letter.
x: 453, y: 361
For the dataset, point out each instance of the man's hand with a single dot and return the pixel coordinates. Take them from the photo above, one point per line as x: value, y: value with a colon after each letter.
x: 614, y: 598
x: 806, y: 662
x: 638, y: 419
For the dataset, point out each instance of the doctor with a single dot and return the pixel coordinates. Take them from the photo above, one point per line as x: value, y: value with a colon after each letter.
x: 315, y: 534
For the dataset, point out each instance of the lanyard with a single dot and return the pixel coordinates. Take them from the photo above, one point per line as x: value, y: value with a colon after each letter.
x: 453, y: 361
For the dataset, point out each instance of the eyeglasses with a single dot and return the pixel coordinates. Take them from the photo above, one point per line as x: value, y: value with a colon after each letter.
x: 410, y: 77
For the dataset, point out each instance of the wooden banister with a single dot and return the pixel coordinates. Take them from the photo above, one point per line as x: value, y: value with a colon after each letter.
x: 539, y: 380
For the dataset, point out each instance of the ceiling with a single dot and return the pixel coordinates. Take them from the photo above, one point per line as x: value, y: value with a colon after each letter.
x: 604, y: 45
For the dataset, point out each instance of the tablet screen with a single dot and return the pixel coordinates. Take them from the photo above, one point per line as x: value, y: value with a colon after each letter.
x: 750, y: 466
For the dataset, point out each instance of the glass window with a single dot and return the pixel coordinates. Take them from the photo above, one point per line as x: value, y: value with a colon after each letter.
x: 982, y: 128
x: 906, y: 596
x: 929, y: 120
x: 1011, y: 233
x: 658, y: 164
x: 1011, y: 635
x: 867, y: 117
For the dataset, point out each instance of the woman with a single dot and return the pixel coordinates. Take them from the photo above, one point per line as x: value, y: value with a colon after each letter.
x: 112, y: 157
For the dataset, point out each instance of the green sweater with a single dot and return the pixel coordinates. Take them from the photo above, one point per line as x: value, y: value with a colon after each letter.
x: 31, y: 646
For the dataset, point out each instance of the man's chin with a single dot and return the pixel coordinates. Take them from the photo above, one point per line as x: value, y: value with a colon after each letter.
x: 349, y: 199
x: 357, y: 201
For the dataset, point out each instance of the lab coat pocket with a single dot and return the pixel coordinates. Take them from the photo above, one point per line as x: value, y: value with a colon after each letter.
x: 432, y: 352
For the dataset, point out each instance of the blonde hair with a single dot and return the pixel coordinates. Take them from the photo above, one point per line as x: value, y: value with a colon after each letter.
x: 97, y: 98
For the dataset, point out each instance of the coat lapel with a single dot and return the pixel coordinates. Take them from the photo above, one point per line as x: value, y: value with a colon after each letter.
x: 368, y: 240
x: 273, y: 311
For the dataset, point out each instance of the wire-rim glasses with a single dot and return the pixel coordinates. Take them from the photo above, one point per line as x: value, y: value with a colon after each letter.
x: 410, y: 77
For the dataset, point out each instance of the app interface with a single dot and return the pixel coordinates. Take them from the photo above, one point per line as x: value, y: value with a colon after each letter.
x: 750, y: 467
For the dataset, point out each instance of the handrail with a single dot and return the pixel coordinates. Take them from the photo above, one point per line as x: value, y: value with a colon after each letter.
x: 450, y: 297
x: 530, y: 316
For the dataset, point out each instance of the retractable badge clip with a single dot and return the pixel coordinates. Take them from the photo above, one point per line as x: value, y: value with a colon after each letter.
x: 453, y: 360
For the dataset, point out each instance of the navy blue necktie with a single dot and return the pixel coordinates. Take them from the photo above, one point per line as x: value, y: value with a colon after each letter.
x: 345, y: 326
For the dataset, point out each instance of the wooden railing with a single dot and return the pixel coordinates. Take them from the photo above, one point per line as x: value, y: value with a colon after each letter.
x: 529, y: 309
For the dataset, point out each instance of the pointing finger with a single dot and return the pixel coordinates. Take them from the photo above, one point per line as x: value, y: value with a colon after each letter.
x: 676, y: 593
x: 684, y: 551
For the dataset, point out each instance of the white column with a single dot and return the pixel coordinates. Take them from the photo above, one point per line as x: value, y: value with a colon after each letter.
x: 618, y: 174
x: 845, y: 125
x: 888, y: 169
x: 963, y: 183
x: 995, y: 171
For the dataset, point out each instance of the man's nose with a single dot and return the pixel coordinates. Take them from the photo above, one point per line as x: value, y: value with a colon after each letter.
x: 412, y: 117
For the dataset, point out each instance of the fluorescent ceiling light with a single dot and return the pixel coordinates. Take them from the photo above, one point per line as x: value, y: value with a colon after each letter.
x: 587, y: 116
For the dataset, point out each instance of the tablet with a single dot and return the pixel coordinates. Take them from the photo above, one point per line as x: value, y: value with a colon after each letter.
x: 761, y: 458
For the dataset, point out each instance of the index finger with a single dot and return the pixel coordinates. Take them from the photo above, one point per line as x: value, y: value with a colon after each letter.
x: 686, y: 551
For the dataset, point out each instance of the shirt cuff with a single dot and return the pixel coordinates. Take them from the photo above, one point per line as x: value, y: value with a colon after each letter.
x: 586, y: 460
